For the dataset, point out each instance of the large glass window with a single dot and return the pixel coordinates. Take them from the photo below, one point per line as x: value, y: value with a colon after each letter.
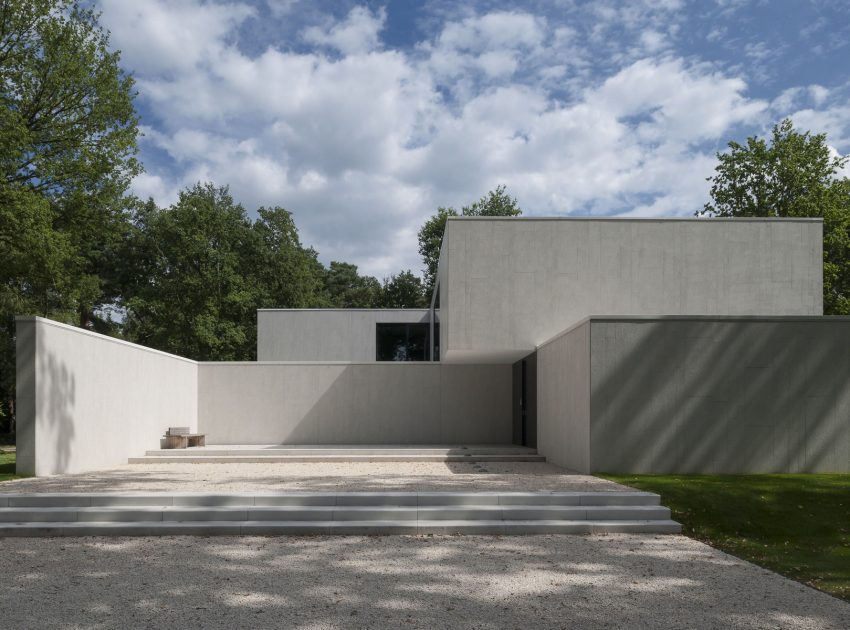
x: 404, y: 342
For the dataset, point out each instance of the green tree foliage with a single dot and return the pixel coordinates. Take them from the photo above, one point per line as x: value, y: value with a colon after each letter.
x: 67, y: 153
x: 430, y: 240
x: 496, y: 203
x: 404, y: 290
x: 196, y: 291
x: 197, y: 272
x: 288, y: 275
x: 793, y: 175
x: 345, y: 288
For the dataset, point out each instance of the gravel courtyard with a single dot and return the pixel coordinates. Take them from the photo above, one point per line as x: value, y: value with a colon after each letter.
x: 613, y: 581
x: 319, y: 477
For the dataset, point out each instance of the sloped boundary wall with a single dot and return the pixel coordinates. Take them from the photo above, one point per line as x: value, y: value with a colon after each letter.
x: 87, y: 401
x: 698, y: 395
x: 354, y: 403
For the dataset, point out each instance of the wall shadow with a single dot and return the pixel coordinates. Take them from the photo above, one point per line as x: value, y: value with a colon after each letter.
x: 720, y: 396
x: 55, y: 398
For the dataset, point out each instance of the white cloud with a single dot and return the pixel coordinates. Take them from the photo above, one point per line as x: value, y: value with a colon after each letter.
x: 170, y: 36
x: 362, y: 142
x: 358, y: 33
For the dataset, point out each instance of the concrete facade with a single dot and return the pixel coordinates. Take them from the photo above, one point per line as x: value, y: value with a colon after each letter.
x: 698, y: 395
x: 354, y: 403
x: 563, y: 399
x: 509, y: 284
x: 677, y: 345
x: 88, y: 402
x: 325, y: 334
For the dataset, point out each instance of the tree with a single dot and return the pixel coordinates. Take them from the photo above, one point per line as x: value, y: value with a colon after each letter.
x: 67, y: 107
x: 403, y: 290
x: 430, y: 240
x: 67, y: 153
x: 794, y: 175
x: 289, y: 275
x: 345, y: 288
x: 68, y: 134
x: 496, y: 203
x: 193, y: 291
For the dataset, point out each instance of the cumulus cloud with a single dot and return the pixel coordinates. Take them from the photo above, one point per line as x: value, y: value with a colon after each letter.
x: 362, y: 141
x: 358, y: 33
x: 158, y: 36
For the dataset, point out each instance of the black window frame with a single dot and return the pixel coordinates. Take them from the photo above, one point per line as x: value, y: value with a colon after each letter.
x: 412, y: 331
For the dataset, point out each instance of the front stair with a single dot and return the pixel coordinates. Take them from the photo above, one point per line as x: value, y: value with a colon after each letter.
x: 273, y: 454
x: 341, y: 513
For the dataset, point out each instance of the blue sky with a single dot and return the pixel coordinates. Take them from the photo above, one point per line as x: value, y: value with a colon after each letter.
x: 363, y: 117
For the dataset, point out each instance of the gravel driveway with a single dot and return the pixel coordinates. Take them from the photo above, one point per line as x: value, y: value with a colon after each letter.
x: 319, y: 477
x: 615, y: 581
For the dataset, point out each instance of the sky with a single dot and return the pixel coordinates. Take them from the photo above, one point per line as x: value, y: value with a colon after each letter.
x: 361, y: 118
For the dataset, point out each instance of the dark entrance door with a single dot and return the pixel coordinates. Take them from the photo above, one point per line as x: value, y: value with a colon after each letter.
x: 525, y: 401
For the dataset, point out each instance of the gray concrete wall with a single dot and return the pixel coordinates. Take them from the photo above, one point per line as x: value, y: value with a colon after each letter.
x: 511, y: 283
x: 88, y: 402
x: 720, y: 395
x: 563, y: 399
x: 354, y: 403
x: 325, y: 334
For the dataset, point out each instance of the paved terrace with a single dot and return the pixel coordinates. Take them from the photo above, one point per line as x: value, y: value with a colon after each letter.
x: 321, y: 477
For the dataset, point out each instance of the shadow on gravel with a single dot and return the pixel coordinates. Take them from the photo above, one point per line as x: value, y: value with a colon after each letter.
x: 418, y: 582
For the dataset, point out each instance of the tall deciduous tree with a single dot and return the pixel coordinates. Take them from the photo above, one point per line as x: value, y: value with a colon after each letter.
x: 195, y: 292
x: 793, y: 175
x: 67, y: 153
x: 345, y: 288
x: 289, y: 275
x: 403, y: 290
x: 496, y: 203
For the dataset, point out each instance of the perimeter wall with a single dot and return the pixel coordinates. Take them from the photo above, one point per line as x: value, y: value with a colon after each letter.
x: 354, y: 403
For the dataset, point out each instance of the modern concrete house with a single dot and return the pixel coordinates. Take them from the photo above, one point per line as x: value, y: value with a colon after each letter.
x: 622, y: 345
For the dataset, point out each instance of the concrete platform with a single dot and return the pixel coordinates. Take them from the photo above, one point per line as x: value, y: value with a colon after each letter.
x: 277, y: 453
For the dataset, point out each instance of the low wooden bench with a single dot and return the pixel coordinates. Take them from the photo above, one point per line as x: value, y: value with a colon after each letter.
x: 182, y: 440
x: 197, y: 439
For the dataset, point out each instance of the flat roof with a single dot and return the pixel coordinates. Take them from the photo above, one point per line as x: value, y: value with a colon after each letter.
x: 391, y: 310
x: 648, y: 219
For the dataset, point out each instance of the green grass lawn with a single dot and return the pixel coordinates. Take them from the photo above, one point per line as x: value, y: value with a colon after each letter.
x: 796, y: 525
x: 7, y: 467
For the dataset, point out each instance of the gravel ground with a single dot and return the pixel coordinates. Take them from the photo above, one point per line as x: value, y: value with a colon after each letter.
x: 615, y: 581
x: 324, y: 477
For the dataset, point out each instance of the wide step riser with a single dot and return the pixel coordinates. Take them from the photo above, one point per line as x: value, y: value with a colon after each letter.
x: 519, y: 513
x: 305, y: 452
x: 340, y: 528
x: 334, y: 459
x: 330, y: 499
x: 343, y: 513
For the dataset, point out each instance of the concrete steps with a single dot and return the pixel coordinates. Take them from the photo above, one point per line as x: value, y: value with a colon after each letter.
x: 368, y: 513
x: 249, y: 454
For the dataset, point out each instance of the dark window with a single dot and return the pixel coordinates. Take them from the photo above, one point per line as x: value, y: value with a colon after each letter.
x: 404, y: 342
